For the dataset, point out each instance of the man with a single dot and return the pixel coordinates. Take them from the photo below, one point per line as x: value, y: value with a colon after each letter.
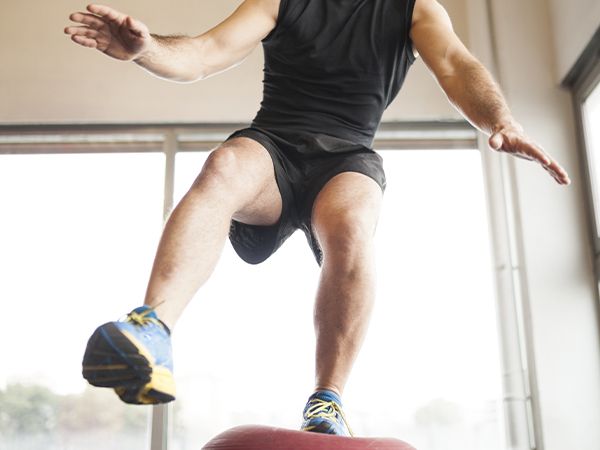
x: 331, y: 68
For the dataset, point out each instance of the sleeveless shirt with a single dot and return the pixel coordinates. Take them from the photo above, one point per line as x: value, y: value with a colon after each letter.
x: 331, y: 69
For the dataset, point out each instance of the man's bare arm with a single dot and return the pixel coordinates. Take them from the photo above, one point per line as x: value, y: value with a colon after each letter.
x: 176, y: 58
x: 471, y: 88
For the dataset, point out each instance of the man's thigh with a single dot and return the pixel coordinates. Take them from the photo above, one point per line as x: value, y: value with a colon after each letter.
x: 250, y: 173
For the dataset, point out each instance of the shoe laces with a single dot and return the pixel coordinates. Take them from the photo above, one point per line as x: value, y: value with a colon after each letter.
x: 326, y: 410
x: 142, y: 318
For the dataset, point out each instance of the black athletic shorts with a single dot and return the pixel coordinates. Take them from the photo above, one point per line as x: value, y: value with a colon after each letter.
x: 301, y: 171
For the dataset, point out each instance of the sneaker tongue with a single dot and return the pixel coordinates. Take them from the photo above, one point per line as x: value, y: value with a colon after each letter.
x: 144, y: 310
x: 328, y: 396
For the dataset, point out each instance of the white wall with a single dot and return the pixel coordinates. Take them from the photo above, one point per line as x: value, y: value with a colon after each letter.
x: 555, y: 253
x: 44, y: 77
x: 574, y: 24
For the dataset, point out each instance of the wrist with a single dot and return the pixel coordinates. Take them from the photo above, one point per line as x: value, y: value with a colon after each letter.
x: 508, y: 124
x: 147, y: 52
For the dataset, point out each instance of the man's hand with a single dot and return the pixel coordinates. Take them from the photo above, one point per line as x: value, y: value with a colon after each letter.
x: 113, y: 33
x: 511, y: 139
x: 176, y: 58
x: 471, y: 88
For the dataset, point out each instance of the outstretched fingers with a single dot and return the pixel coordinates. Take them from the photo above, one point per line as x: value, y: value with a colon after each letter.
x: 559, y: 174
x: 106, y: 13
x: 518, y: 145
x: 531, y: 151
x: 85, y: 41
x: 88, y: 37
x: 87, y: 33
x: 87, y: 19
x: 82, y: 31
x: 536, y: 153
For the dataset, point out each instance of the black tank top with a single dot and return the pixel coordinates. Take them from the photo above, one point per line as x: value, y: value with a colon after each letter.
x: 332, y: 67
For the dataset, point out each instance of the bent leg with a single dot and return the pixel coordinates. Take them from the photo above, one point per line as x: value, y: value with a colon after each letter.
x: 344, y: 219
x: 237, y: 181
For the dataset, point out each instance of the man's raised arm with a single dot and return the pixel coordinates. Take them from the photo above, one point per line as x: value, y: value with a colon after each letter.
x: 176, y: 58
x: 471, y: 88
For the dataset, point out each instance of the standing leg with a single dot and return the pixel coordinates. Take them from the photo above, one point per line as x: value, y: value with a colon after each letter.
x: 344, y: 218
x: 345, y: 215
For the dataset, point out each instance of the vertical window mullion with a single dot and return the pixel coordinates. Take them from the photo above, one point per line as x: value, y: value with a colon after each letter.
x: 170, y: 149
x: 159, y: 425
x: 519, y: 402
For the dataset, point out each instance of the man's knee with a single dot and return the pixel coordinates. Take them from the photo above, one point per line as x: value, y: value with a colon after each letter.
x: 239, y: 175
x: 222, y: 169
x: 345, y: 216
x: 345, y: 235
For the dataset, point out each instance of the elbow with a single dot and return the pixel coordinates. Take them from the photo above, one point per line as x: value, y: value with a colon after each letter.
x: 202, y: 76
x: 201, y: 73
x: 191, y: 77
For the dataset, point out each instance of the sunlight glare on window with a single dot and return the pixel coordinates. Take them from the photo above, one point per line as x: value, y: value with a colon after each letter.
x: 77, y: 239
x: 429, y: 370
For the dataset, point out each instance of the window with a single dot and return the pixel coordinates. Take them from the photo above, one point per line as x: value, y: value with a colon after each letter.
x: 83, y: 211
x: 76, y: 239
x: 245, y: 346
x: 590, y: 113
x: 584, y: 81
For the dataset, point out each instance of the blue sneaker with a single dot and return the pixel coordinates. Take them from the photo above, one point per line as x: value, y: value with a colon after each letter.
x: 132, y: 356
x: 323, y: 414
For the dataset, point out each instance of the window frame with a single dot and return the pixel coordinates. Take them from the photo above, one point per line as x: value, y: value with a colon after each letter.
x: 581, y: 80
x: 582, y: 87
